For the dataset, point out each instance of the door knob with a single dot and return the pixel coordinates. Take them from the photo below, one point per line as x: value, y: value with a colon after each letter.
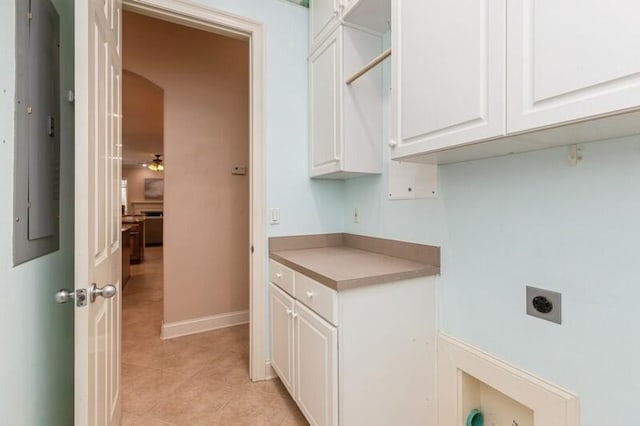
x: 64, y: 295
x: 108, y: 291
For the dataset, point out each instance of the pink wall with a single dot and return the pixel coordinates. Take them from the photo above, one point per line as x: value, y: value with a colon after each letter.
x: 205, y: 78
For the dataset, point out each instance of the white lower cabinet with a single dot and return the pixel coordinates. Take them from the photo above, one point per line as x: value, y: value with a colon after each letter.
x: 316, y: 360
x: 282, y: 336
x: 360, y: 356
x: 304, y: 354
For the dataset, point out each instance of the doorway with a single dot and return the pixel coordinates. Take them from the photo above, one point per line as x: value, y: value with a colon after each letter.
x: 249, y: 32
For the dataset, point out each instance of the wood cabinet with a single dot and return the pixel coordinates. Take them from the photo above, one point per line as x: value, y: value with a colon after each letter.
x: 346, y: 120
x: 153, y: 231
x: 361, y: 356
x: 530, y: 76
x: 126, y: 255
x: 136, y: 241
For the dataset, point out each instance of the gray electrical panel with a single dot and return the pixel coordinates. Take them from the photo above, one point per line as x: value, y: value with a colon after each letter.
x: 37, y: 137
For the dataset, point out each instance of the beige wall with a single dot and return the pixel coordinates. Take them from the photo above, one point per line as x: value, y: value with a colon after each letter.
x: 135, y: 177
x: 142, y: 119
x: 206, y: 238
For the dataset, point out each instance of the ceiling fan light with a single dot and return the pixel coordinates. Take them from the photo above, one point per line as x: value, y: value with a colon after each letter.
x: 156, y: 164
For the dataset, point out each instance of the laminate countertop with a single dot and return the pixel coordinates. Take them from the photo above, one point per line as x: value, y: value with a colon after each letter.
x: 342, y: 261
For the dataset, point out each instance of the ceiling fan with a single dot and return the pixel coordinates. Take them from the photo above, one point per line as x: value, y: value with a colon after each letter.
x: 156, y: 164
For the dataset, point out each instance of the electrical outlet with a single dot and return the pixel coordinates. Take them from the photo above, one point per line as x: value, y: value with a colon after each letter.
x: 544, y: 304
x: 356, y: 215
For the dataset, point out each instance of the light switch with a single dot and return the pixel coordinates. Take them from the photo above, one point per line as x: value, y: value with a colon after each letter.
x: 275, y: 216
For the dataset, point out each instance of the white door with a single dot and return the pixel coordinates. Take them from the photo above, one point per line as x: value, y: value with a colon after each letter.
x: 316, y: 373
x: 97, y: 210
x: 569, y: 60
x: 448, y: 73
x: 282, y: 336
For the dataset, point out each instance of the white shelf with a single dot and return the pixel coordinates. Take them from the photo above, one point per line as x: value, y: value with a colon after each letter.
x: 371, y: 14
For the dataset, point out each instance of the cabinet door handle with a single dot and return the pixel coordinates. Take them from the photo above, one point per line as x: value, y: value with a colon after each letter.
x: 289, y: 312
x: 310, y: 294
x: 278, y: 275
x: 294, y: 315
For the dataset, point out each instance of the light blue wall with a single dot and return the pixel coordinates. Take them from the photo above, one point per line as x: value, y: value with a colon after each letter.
x: 36, y: 354
x: 306, y: 206
x: 531, y: 219
x: 379, y: 217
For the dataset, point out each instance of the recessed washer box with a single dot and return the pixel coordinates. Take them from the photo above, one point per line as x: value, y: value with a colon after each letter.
x: 469, y: 378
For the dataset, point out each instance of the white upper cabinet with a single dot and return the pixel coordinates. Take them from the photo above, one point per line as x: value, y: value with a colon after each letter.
x: 480, y: 78
x: 325, y: 75
x: 448, y: 73
x: 571, y: 60
x: 346, y: 120
x: 323, y: 16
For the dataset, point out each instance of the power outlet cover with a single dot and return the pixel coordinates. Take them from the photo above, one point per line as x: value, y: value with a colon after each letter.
x: 544, y: 304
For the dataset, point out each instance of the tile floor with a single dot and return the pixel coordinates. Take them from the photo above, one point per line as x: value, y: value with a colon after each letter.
x: 201, y: 379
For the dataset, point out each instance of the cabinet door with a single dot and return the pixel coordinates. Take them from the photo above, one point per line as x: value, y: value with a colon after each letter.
x: 323, y: 17
x: 570, y: 60
x: 316, y: 343
x: 448, y: 73
x: 326, y: 111
x: 282, y: 336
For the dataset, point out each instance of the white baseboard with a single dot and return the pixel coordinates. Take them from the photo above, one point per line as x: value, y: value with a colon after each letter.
x: 171, y: 330
x: 269, y: 372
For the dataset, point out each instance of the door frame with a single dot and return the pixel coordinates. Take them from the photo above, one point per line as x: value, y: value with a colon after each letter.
x: 212, y: 20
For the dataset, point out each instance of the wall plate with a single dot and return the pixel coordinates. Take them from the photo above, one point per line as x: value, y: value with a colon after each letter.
x: 410, y: 181
x: 544, y: 304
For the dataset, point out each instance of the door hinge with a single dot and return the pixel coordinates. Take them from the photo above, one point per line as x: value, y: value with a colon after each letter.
x: 29, y: 109
x: 28, y: 204
x: 30, y: 15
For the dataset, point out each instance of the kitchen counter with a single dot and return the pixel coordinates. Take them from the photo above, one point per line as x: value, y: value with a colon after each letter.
x: 342, y: 261
x: 133, y: 218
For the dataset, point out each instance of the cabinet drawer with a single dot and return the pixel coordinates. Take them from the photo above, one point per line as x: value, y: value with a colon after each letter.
x: 318, y: 297
x: 281, y: 276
